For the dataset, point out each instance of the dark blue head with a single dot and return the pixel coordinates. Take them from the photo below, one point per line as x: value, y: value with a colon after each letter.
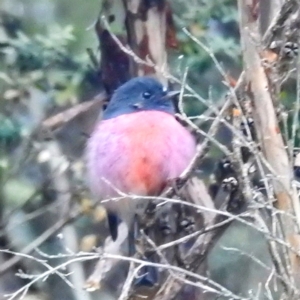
x: 139, y: 94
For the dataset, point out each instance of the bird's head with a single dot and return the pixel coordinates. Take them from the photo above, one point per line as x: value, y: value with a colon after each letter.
x: 140, y: 94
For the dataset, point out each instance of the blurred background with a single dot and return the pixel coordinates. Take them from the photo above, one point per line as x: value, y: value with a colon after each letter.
x: 45, y: 67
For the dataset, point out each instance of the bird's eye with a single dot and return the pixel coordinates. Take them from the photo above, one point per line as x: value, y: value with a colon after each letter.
x: 146, y: 95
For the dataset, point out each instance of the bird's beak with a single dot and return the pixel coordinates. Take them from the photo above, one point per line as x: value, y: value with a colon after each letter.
x: 172, y: 94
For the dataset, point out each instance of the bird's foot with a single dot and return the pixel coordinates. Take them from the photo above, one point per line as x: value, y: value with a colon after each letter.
x: 147, y: 276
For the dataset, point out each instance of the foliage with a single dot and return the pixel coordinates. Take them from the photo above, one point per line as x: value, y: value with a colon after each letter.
x: 43, y: 65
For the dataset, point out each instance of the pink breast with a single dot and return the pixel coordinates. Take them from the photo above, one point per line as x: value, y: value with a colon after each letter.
x: 137, y: 153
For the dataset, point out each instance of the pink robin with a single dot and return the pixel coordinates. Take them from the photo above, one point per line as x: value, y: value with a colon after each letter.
x: 136, y: 149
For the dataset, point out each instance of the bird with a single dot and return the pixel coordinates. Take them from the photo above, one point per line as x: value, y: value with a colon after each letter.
x: 136, y: 149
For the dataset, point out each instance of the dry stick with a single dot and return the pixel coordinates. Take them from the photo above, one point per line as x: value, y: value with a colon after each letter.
x: 243, y: 170
x: 266, y: 124
x: 287, y: 8
x: 43, y: 262
x: 104, y: 266
x: 275, y: 255
x: 202, y: 150
x: 45, y: 236
x: 53, y: 123
x: 213, y: 286
x: 261, y: 93
x: 131, y: 276
x: 23, y: 290
x: 40, y: 240
x: 254, y: 259
x: 210, y: 284
x: 98, y: 274
x: 172, y: 273
x: 210, y: 210
x: 283, y: 15
x: 62, y: 118
x: 171, y: 285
